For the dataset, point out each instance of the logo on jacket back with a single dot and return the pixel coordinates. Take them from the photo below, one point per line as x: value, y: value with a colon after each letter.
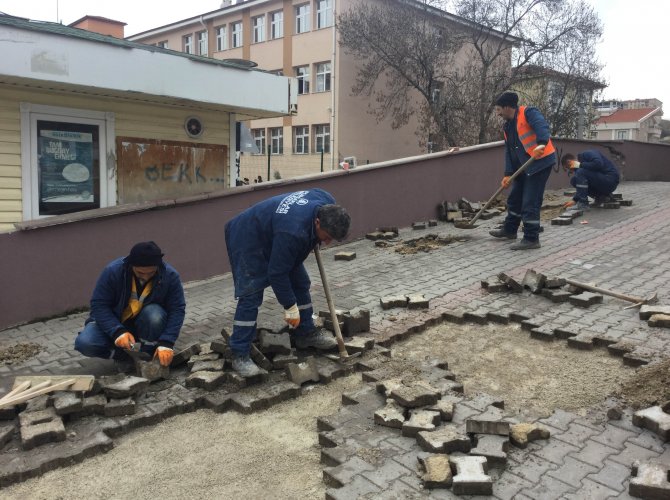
x: 297, y: 197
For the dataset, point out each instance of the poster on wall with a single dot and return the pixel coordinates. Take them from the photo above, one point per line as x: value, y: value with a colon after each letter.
x: 66, y: 166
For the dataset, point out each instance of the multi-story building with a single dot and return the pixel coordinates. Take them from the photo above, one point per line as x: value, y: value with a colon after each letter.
x: 297, y: 38
x: 636, y: 124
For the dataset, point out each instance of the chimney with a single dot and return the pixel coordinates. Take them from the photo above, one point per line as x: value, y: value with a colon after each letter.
x: 100, y: 25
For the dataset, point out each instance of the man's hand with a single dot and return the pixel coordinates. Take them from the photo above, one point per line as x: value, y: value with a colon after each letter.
x: 164, y: 355
x: 573, y: 164
x: 569, y: 204
x: 538, y: 151
x: 505, y: 181
x: 292, y: 316
x: 125, y: 341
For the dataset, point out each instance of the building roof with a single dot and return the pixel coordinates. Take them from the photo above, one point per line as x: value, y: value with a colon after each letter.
x: 98, y: 18
x: 533, y: 71
x: 628, y: 115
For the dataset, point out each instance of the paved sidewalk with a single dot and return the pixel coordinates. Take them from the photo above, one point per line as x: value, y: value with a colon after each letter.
x: 625, y: 250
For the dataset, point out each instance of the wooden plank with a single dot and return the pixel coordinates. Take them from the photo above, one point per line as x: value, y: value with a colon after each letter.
x: 22, y: 398
x: 82, y: 382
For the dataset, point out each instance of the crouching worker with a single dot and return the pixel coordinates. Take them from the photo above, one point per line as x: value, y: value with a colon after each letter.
x: 267, y: 245
x: 593, y: 174
x: 138, y: 298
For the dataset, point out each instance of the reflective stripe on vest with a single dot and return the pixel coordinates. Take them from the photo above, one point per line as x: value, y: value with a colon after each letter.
x: 527, y: 134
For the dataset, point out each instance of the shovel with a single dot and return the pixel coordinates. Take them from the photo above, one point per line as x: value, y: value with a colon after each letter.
x: 471, y: 224
x: 344, y: 355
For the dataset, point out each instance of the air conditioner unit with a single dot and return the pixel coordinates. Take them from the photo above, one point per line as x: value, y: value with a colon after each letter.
x: 293, y: 109
x: 351, y: 160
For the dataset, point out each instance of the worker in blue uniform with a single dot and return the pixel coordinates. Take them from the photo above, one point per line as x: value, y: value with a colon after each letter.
x: 267, y: 245
x: 593, y: 174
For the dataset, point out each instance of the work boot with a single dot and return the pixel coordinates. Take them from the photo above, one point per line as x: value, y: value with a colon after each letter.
x: 318, y: 339
x: 245, y: 366
x: 525, y: 244
x: 601, y: 200
x: 501, y: 233
x: 581, y: 205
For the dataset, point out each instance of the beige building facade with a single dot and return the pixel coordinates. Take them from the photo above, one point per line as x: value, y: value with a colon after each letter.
x: 634, y: 124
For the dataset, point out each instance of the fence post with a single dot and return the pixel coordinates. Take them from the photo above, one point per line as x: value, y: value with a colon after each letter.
x: 322, y: 161
x: 269, y: 151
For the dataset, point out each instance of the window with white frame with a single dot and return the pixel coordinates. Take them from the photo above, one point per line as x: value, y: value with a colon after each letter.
x: 163, y: 44
x: 259, y: 138
x: 323, y: 77
x: 221, y: 38
x: 302, y: 74
x: 237, y: 34
x: 324, y: 13
x: 301, y: 140
x: 322, y: 138
x: 202, y: 43
x: 302, y: 18
x: 259, y: 29
x: 622, y: 134
x: 64, y: 160
x: 277, y: 24
x: 187, y: 44
x: 277, y: 141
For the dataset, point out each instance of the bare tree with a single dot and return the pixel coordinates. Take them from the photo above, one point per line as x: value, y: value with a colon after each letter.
x: 415, y: 56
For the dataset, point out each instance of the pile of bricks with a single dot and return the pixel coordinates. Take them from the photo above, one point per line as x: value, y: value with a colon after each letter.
x: 383, y: 233
x: 351, y: 322
x: 410, y: 301
x: 464, y: 211
x: 568, y: 216
x: 656, y: 316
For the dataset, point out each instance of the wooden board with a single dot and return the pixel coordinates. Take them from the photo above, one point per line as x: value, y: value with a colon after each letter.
x: 82, y: 382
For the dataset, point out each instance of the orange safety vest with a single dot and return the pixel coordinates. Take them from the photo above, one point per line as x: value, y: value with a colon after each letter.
x: 527, y: 135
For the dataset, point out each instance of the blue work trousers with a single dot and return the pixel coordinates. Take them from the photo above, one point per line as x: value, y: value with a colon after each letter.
x: 146, y: 328
x: 593, y: 184
x: 524, y: 203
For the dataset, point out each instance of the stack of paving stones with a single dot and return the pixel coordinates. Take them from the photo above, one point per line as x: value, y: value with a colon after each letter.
x: 352, y: 322
x: 63, y: 428
x: 568, y: 216
x: 383, y: 234
x: 410, y: 301
x: 464, y: 211
x: 656, y: 316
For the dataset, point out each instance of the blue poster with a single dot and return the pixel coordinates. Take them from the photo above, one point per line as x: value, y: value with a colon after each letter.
x: 66, y: 166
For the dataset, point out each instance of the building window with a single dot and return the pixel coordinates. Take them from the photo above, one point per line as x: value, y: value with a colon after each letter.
x: 323, y: 77
x: 187, y: 44
x: 302, y: 74
x: 221, y: 38
x: 324, y: 13
x: 259, y: 138
x: 322, y: 138
x: 237, y: 34
x: 65, y: 168
x: 277, y: 24
x: 300, y: 140
x: 163, y: 44
x: 622, y: 134
x: 259, y: 29
x: 302, y: 18
x: 202, y: 43
x: 277, y: 141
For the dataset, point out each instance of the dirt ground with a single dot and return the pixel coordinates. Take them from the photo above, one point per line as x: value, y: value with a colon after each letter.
x: 18, y: 353
x: 275, y: 453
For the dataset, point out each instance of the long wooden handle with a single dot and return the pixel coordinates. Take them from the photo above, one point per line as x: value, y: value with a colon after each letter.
x: 516, y: 174
x: 19, y: 388
x: 21, y: 398
x: 591, y: 288
x: 331, y: 306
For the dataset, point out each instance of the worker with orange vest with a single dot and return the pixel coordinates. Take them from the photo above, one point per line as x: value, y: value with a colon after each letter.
x: 526, y: 134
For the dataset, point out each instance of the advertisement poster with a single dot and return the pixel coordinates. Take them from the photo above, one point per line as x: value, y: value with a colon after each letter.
x: 66, y: 166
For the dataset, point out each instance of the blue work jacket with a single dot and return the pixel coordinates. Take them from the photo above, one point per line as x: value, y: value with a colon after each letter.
x: 269, y: 240
x: 594, y: 161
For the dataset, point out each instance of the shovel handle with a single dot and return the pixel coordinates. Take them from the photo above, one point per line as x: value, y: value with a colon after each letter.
x: 331, y: 306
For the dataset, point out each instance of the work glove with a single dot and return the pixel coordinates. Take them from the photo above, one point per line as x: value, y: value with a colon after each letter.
x: 292, y: 316
x: 538, y: 151
x: 164, y: 355
x: 574, y: 164
x: 569, y: 204
x: 125, y: 341
x: 505, y: 181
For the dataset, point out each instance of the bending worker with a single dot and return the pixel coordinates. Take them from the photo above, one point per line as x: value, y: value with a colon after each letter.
x: 526, y: 134
x: 594, y: 175
x: 267, y: 245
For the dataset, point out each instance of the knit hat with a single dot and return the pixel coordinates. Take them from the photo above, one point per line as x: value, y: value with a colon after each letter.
x: 145, y: 254
x: 510, y: 99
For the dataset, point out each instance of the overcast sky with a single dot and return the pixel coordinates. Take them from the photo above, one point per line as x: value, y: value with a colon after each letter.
x: 636, y: 64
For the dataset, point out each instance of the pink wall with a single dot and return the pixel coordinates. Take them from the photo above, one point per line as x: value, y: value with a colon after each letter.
x: 49, y: 270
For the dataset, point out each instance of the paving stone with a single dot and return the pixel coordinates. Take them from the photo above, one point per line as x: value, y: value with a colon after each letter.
x: 206, y: 347
x: 533, y: 281
x: 359, y: 487
x: 444, y: 440
x: 417, y: 301
x: 651, y: 480
x: 554, y: 282
x: 626, y: 203
x: 42, y: 432
x: 483, y: 425
x: 66, y: 402
x: 418, y: 225
x: 345, y: 256
x: 586, y: 299
x: 207, y: 380
x: 432, y: 223
x: 524, y: 433
x: 612, y: 204
x: 184, y: 355
x: 39, y: 403
x: 374, y: 235
x: 573, y: 472
x: 92, y: 405
x: 583, y: 341
x: 385, y: 386
x: 639, y: 356
x: 213, y: 365
x: 120, y: 407
x: 446, y: 409
x: 437, y: 471
x: 387, y: 473
x: 556, y: 295
x: 356, y: 321
x: 647, y: 311
x: 659, y: 321
x: 561, y: 221
x: 415, y: 395
x: 391, y: 301
x: 279, y: 343
x: 545, y: 333
x: 392, y: 415
x: 497, y: 287
x: 420, y: 421
x: 494, y: 448
x: 470, y: 476
x: 612, y: 474
x: 151, y: 370
x: 548, y: 488
x: 577, y: 434
x: 479, y: 317
x: 345, y: 472
x: 261, y: 360
x: 654, y: 419
x: 620, y: 348
x: 307, y: 371
x: 632, y: 452
x: 594, y: 453
x: 511, y: 283
x: 129, y: 386
x: 37, y: 417
x: 281, y: 361
x: 359, y: 344
x: 6, y: 433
